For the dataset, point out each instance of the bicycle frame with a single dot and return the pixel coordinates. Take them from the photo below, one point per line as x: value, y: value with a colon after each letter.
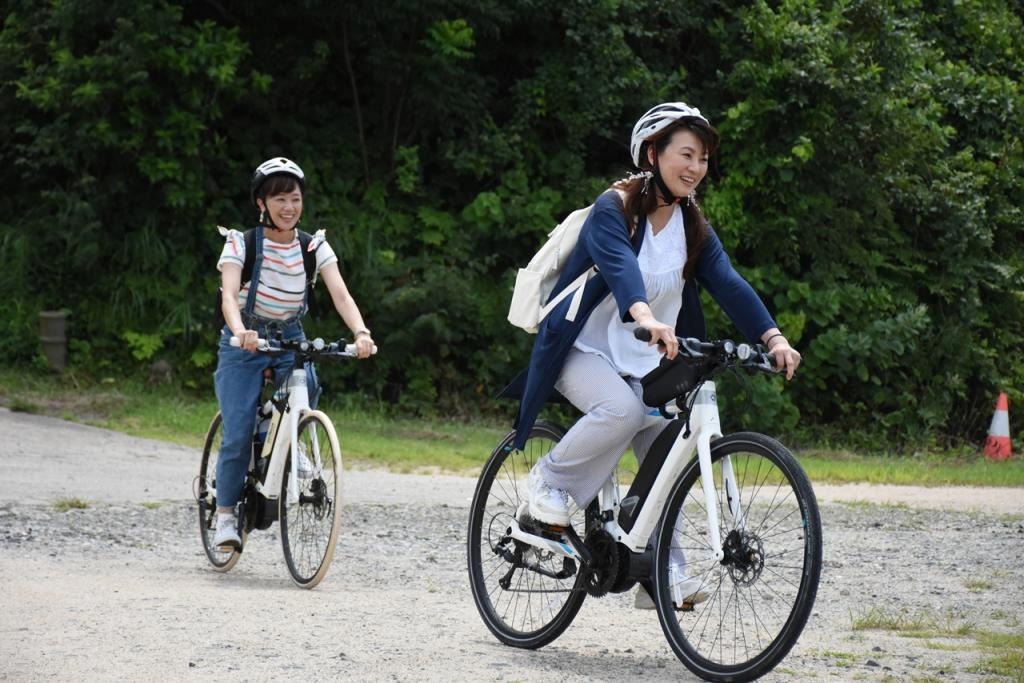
x: 704, y: 426
x: 277, y: 447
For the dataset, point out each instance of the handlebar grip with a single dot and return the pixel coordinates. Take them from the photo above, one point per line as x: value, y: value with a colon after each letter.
x: 350, y: 349
x: 642, y: 334
x: 261, y: 344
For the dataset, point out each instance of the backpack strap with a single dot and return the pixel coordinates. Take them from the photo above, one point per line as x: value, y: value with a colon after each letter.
x: 251, y: 267
x: 249, y: 236
x: 573, y: 289
x: 308, y: 258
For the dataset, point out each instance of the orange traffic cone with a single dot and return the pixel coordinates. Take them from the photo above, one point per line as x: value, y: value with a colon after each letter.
x: 997, y: 446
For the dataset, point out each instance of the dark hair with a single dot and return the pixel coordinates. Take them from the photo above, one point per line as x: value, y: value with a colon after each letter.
x: 638, y: 204
x: 278, y: 183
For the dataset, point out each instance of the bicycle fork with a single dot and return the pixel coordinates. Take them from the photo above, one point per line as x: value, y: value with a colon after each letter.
x: 706, y: 420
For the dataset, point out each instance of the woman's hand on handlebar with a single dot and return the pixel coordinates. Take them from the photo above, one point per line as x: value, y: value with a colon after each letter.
x: 365, y: 346
x: 247, y: 340
x: 661, y: 334
x: 784, y: 357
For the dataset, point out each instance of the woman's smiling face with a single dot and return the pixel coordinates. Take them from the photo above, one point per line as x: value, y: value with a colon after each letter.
x: 285, y: 208
x: 683, y: 163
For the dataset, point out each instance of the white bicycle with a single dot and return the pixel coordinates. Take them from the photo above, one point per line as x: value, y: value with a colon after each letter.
x: 738, y: 508
x: 306, y: 504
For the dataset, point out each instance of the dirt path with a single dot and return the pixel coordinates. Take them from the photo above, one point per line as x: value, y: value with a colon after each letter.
x: 121, y: 589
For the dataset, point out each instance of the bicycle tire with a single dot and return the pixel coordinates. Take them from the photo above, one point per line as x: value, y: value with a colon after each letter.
x: 310, y: 523
x: 761, y: 594
x: 510, y: 612
x: 206, y: 498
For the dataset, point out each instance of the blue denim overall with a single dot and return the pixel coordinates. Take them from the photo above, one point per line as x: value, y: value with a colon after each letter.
x: 238, y: 381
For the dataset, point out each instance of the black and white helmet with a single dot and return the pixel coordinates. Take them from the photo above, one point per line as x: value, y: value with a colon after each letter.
x: 273, y: 167
x: 656, y: 120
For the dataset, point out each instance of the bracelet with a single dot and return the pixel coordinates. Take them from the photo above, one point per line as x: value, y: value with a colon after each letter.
x: 366, y: 332
x: 777, y: 334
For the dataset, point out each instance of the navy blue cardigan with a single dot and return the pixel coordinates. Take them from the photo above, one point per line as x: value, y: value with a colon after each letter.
x: 604, y: 241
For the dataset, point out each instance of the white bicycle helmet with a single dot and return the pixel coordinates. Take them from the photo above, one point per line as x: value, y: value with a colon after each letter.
x: 272, y: 167
x: 656, y: 120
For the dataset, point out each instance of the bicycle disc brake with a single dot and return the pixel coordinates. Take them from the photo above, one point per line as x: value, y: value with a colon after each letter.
x: 744, y: 555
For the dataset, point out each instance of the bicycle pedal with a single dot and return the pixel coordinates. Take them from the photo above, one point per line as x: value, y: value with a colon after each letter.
x: 538, y: 528
x: 551, y: 528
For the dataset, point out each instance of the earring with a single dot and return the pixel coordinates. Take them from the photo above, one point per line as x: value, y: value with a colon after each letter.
x: 691, y: 198
x: 647, y: 182
x: 263, y: 217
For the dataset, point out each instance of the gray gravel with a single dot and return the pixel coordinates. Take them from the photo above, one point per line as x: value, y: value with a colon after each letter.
x: 123, y: 590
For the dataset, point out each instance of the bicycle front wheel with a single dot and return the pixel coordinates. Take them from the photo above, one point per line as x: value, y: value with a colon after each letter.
x: 310, y: 517
x: 758, y: 597
x: 205, y: 491
x: 514, y: 584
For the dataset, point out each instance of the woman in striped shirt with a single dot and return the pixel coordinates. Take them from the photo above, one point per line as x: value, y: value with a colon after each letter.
x: 272, y: 302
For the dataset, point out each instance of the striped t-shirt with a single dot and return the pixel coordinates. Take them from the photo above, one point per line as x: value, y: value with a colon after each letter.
x: 282, y: 284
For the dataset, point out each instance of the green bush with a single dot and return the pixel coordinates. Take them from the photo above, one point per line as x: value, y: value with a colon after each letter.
x: 868, y: 183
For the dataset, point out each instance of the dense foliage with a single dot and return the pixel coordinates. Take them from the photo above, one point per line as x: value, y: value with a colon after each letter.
x: 868, y: 185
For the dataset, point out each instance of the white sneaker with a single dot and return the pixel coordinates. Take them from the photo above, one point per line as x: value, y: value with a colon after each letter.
x: 227, y: 537
x: 302, y: 463
x: 547, y: 505
x: 643, y: 599
x: 684, y: 591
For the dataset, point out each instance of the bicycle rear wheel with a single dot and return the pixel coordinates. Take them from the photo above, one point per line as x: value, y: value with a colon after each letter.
x: 761, y: 593
x: 310, y: 521
x: 521, y: 606
x: 205, y: 491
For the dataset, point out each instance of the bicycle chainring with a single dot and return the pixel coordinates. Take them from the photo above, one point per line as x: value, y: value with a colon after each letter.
x: 603, y: 572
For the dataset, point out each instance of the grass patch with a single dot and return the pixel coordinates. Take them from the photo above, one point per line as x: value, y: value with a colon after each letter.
x: 910, y: 624
x: 65, y: 504
x: 842, y: 467
x: 20, y: 405
x: 946, y: 647
x: 977, y: 585
x: 152, y: 505
x: 840, y: 658
x: 371, y: 437
x: 870, y: 505
x: 1004, y: 655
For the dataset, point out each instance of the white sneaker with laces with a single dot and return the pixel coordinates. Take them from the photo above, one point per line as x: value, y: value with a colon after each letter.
x: 226, y: 537
x: 547, y: 505
x: 302, y: 463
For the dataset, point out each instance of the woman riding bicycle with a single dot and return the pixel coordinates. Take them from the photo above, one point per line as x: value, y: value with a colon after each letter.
x: 271, y: 304
x: 652, y: 246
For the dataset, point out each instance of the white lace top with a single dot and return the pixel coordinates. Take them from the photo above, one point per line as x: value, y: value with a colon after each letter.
x: 661, y: 259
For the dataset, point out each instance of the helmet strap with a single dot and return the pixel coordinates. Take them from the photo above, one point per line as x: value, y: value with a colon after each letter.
x: 267, y: 222
x: 663, y: 187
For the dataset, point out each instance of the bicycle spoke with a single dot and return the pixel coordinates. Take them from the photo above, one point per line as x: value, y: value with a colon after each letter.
x: 760, y: 594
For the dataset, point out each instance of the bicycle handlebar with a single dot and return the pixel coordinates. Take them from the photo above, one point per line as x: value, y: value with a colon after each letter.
x: 310, y: 347
x: 726, y: 351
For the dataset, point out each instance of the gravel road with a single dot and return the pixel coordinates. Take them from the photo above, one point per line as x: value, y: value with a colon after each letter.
x: 121, y: 589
